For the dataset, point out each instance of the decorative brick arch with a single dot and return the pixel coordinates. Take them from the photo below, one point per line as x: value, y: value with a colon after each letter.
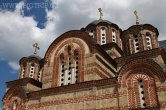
x: 78, y: 37
x: 80, y: 46
x: 70, y: 34
x: 17, y: 93
x: 141, y: 65
x: 142, y: 69
x: 133, y: 90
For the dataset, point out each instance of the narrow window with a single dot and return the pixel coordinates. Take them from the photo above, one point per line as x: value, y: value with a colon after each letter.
x: 39, y: 75
x: 103, y: 36
x: 15, y: 105
x: 141, y: 93
x: 23, y: 71
x: 62, y: 70
x: 136, y: 44
x: 69, y: 68
x: 32, y: 69
x: 113, y: 35
x: 91, y: 33
x: 76, y: 66
x: 148, y: 41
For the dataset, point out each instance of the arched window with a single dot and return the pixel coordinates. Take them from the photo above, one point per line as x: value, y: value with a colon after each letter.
x: 15, y: 105
x: 62, y: 70
x: 69, y: 67
x: 32, y: 69
x: 141, y: 93
x: 76, y: 56
x: 39, y: 75
x: 91, y: 33
x: 23, y: 71
x: 141, y: 90
x: 113, y: 35
x: 136, y: 44
x: 103, y: 35
x: 148, y: 41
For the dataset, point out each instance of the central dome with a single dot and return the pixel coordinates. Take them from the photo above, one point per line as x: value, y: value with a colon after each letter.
x: 102, y: 22
x: 104, y: 31
x: 99, y: 21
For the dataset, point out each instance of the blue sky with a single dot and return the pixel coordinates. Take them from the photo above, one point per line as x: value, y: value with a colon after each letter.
x: 8, y: 75
x: 39, y: 15
x: 24, y: 22
x: 37, y: 12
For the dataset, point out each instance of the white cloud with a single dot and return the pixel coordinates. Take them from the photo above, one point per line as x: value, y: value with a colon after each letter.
x: 13, y: 65
x: 18, y: 33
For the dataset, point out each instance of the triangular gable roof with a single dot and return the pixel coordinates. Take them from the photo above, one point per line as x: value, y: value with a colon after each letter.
x: 109, y: 46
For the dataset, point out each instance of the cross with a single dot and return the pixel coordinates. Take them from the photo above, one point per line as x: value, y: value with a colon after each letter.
x: 137, y: 18
x: 36, y: 46
x: 101, y: 12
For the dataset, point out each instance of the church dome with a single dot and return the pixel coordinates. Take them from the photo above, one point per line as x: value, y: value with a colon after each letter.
x: 100, y: 21
x: 31, y: 67
x: 104, y: 31
x: 34, y: 56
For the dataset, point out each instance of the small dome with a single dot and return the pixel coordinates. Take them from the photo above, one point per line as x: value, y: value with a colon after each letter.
x: 34, y: 56
x: 99, y: 21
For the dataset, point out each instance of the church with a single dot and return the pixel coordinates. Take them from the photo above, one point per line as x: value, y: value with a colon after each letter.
x: 99, y: 67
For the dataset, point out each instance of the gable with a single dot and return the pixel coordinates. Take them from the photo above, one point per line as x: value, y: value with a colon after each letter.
x: 113, y: 50
x: 76, y: 36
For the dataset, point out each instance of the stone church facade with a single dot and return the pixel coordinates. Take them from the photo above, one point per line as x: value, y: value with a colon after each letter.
x: 99, y: 67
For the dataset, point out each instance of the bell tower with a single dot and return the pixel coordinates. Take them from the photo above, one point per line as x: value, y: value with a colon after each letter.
x: 139, y: 37
x: 103, y: 31
x: 31, y: 67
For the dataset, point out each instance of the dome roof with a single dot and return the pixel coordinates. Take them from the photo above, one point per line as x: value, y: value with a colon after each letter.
x: 34, y: 56
x: 99, y: 21
x: 96, y: 22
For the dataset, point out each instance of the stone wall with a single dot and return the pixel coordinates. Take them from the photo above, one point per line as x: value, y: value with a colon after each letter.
x: 92, y: 98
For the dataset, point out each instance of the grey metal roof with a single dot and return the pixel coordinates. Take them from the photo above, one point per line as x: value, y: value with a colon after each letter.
x: 163, y: 44
x: 34, y: 57
x: 99, y: 21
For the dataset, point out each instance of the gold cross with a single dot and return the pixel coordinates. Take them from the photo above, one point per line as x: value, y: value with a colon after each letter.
x: 36, y: 46
x: 101, y: 12
x: 137, y: 17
